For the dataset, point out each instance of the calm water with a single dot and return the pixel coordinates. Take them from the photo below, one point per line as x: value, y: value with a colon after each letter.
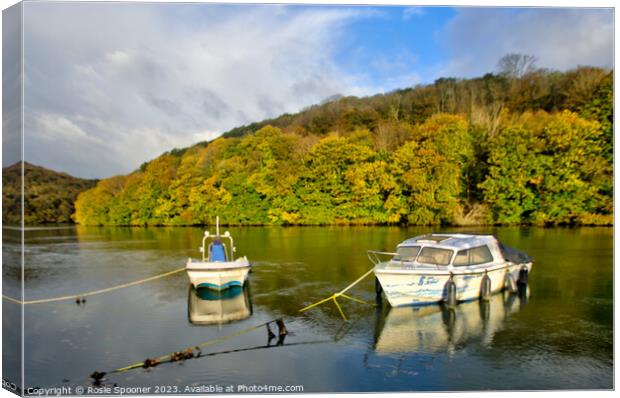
x: 559, y: 335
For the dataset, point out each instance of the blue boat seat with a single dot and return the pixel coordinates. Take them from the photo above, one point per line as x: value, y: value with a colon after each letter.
x: 218, y: 253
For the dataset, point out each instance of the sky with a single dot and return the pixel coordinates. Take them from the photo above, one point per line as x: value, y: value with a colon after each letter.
x: 109, y: 86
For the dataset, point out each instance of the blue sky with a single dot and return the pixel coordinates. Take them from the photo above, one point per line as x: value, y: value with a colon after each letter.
x: 396, y: 41
x: 111, y: 85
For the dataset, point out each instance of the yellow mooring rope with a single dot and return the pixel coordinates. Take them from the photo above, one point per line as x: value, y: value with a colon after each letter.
x: 92, y: 293
x: 341, y: 294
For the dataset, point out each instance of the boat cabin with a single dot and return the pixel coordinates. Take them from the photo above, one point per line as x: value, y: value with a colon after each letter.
x: 443, y: 250
x: 217, y: 251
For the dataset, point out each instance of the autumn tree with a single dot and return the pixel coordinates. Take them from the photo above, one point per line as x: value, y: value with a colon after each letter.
x: 516, y: 65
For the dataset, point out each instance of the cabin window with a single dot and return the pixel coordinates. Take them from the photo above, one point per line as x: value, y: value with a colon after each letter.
x: 434, y: 255
x: 473, y: 256
x: 407, y: 253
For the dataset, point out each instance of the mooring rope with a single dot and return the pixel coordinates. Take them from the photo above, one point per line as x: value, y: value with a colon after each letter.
x: 201, y: 345
x: 187, y: 353
x: 94, y: 292
x: 334, y: 296
x: 11, y: 299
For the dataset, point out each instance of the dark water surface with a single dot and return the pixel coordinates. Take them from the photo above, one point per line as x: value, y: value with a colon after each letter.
x: 557, y: 336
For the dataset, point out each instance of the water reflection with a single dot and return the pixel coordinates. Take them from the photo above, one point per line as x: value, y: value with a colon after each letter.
x: 436, y: 328
x: 210, y: 307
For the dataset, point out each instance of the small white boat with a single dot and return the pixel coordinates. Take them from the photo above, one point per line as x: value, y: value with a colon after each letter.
x: 448, y: 267
x: 218, y: 269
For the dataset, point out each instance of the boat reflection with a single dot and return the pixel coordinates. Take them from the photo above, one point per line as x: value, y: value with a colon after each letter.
x: 211, y: 307
x: 436, y: 328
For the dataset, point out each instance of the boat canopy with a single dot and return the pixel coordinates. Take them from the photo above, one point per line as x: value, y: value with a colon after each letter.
x: 451, y: 241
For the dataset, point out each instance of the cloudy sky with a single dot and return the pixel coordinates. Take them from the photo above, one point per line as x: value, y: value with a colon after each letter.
x: 111, y: 85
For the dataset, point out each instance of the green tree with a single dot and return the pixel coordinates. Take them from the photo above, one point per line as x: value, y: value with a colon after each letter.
x: 429, y: 170
x: 547, y: 169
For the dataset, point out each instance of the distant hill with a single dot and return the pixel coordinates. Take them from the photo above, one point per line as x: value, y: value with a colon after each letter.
x: 533, y: 148
x: 49, y: 195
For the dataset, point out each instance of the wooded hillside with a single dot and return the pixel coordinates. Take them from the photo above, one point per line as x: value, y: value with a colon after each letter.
x: 49, y: 196
x: 532, y: 146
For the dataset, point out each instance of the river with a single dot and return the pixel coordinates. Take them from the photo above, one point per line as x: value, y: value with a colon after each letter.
x: 556, y: 335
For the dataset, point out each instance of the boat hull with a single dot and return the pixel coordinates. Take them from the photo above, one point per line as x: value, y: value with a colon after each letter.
x: 420, y: 287
x: 218, y: 276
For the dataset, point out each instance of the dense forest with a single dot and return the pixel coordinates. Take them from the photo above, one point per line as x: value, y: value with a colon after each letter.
x: 49, y: 196
x: 521, y: 146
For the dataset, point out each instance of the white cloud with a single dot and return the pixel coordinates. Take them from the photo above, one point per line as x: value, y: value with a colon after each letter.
x: 145, y: 78
x: 56, y: 127
x: 561, y: 38
x: 117, y: 57
x: 205, y: 136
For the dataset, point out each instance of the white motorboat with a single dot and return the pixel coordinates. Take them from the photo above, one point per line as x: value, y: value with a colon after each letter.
x: 218, y: 269
x: 448, y: 267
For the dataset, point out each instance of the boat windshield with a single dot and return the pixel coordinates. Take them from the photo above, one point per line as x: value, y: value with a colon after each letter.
x: 435, y: 256
x: 406, y: 253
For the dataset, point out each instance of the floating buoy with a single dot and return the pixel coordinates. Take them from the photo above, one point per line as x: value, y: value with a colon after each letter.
x: 485, y: 287
x: 181, y: 355
x: 523, y: 273
x: 450, y: 293
x: 150, y: 363
x: 510, y: 283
